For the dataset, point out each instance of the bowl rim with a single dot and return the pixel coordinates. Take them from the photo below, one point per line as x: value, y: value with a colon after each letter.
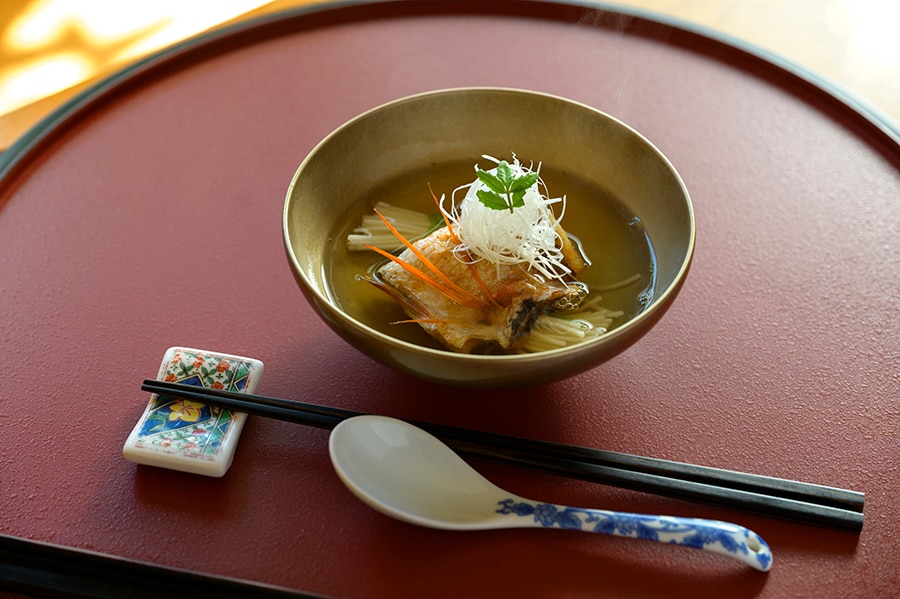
x: 660, y: 302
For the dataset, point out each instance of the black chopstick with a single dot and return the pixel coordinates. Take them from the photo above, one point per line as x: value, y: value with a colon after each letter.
x: 798, y: 501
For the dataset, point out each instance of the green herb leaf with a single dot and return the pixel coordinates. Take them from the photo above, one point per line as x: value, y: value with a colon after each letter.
x: 505, y: 174
x: 492, y: 200
x: 493, y: 183
x: 518, y: 199
x: 506, y: 190
x: 524, y: 182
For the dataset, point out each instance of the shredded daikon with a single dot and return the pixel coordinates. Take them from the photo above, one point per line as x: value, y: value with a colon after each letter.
x: 526, y: 235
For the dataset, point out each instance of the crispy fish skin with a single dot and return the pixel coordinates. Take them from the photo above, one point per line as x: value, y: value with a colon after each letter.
x: 501, y: 320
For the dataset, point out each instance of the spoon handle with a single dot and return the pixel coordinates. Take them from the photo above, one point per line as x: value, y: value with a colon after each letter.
x: 708, y: 535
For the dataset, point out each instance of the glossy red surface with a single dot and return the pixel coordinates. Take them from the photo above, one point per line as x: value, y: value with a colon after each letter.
x: 151, y: 218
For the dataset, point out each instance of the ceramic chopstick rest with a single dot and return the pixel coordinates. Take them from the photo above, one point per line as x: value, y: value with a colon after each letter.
x: 191, y: 436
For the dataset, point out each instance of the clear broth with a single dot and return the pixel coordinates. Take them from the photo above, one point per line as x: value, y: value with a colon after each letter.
x: 612, y: 238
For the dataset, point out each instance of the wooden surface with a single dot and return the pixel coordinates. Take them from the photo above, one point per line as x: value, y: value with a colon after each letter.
x: 853, y: 43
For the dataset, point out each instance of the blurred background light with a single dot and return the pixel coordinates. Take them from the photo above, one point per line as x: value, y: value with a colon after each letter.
x: 50, y: 45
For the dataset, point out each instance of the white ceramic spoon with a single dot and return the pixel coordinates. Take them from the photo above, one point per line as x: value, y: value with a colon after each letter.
x: 404, y: 472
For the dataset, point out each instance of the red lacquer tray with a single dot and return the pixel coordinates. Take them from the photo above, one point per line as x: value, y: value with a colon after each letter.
x: 147, y: 214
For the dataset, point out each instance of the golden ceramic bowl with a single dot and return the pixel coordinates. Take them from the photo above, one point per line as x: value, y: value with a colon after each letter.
x: 409, y: 134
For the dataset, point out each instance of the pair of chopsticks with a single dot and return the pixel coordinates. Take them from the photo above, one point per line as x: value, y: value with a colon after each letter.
x: 797, y: 501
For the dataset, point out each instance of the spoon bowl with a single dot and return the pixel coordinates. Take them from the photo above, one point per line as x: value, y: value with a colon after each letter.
x: 406, y: 473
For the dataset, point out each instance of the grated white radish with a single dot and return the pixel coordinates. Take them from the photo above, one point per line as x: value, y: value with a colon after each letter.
x: 527, y: 235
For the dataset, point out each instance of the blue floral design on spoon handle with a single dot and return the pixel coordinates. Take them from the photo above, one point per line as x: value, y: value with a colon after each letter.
x: 708, y: 535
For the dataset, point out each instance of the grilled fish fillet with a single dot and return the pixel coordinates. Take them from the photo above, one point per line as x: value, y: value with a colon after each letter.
x: 500, y: 318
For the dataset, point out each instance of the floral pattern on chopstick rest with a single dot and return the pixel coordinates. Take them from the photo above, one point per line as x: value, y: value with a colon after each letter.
x: 191, y: 436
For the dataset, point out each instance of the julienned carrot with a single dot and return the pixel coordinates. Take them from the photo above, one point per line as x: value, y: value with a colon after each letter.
x: 447, y: 281
x: 443, y: 216
x: 452, y: 294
